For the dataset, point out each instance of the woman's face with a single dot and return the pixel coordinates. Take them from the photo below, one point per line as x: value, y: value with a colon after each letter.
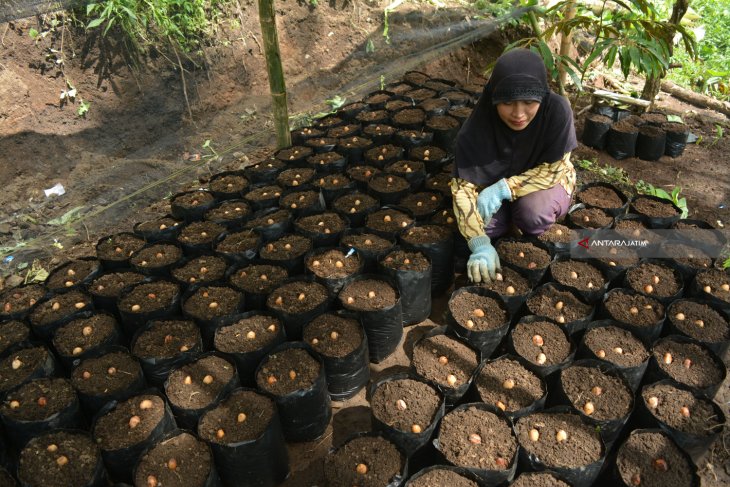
x: 518, y: 114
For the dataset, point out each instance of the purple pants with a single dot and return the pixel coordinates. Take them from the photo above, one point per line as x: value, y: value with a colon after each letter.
x: 533, y: 213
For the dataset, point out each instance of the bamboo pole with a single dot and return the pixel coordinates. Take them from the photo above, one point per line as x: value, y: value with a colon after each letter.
x: 277, y: 85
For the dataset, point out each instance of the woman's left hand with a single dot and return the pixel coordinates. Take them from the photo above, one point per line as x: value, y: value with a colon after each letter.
x: 490, y: 199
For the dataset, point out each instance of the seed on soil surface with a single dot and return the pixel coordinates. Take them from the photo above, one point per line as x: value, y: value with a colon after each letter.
x: 184, y: 348
x: 443, y: 360
x: 499, y: 277
x: 241, y: 417
x: 387, y: 218
x: 52, y: 448
x: 279, y: 300
x: 601, y: 354
x: 534, y: 434
x: 220, y: 433
x: 350, y: 300
x: 416, y: 429
x: 588, y: 408
x: 42, y: 401
x: 636, y: 479
x: 501, y: 405
x: 655, y: 279
x: 501, y: 462
x: 263, y: 277
x: 660, y: 465
x: 361, y: 468
x: 469, y: 324
x: 531, y: 265
x: 287, y: 246
x: 272, y: 328
x: 69, y: 283
x: 687, y: 363
x: 680, y: 316
x: 521, y: 255
x: 136, y: 307
x: 653, y: 402
x: 573, y: 275
x: 208, y: 379
x: 668, y: 358
x: 685, y: 411
x: 537, y: 340
x: 145, y: 404
x: 451, y: 379
x: 134, y: 421
x: 479, y: 313
x: 301, y: 296
x: 62, y: 460
x: 188, y: 380
x: 16, y: 364
x: 648, y: 289
x: 586, y: 219
x: 334, y: 335
x: 634, y: 310
x: 79, y: 305
x: 111, y: 370
x: 475, y: 439
x: 401, y: 405
x: 618, y: 350
x: 14, y: 404
x: 541, y: 358
x: 560, y: 319
x: 56, y: 306
x: 596, y: 391
x: 559, y: 305
x: 86, y: 375
x: 508, y: 384
x: 725, y: 287
x: 213, y: 305
x: 339, y: 264
x: 561, y: 436
x: 406, y: 261
x: 292, y: 375
x: 510, y: 290
x: 77, y: 351
x: 700, y: 323
x: 371, y: 294
x: 590, y: 285
x: 172, y: 464
x: 270, y: 221
x: 251, y: 335
x: 314, y: 341
x: 87, y: 330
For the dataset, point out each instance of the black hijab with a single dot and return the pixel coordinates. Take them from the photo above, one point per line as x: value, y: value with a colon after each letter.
x: 487, y: 150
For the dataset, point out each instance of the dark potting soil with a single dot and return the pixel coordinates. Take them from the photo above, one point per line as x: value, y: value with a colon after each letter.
x: 421, y: 94
x: 404, y: 168
x: 397, y: 105
x: 477, y: 313
x: 20, y: 299
x: 366, y: 241
x: 582, y: 445
x: 58, y: 459
x: 287, y: 371
x: 59, y: 306
x: 624, y: 126
x: 654, y: 118
x: 287, y: 247
x: 375, y: 130
x: 258, y: 278
x: 365, y: 462
x: 508, y: 385
x: 272, y: 218
x: 198, y: 233
x: 409, y: 116
x: 210, y: 302
x: 616, y: 345
x: 107, y: 374
x: 294, y: 153
x: 265, y: 167
x: 650, y: 131
x: 129, y: 423
x: 295, y: 177
x: 119, y: 247
x: 322, y: 223
x: 541, y: 342
x: 590, y: 218
x: 511, y: 283
x: 600, y: 196
x: 438, y: 85
x: 193, y: 199
x: 247, y: 334
x: 425, y: 234
x: 355, y: 203
x: 476, y: 438
x: 228, y: 211
x: 440, y: 477
x: 439, y: 182
x: 577, y: 274
x: 539, y: 479
x: 427, y: 153
x: 388, y: 183
x: 148, y: 297
x: 460, y: 113
x: 388, y: 220
x: 325, y: 158
x: 198, y: 384
x: 594, y: 117
x: 38, y: 399
x: 628, y: 257
x: 206, y: 268
x: 654, y: 279
x: 362, y: 173
x: 228, y: 183
x: 368, y: 295
x: 686, y: 255
x: 377, y: 98
x: 523, y: 254
x: 180, y: 461
x: 333, y: 336
x: 653, y: 208
x: 687, y: 363
x: 332, y: 263
x: 354, y: 142
x: 598, y: 395
x: 457, y: 97
x: 630, y: 225
x: 444, y: 360
x: 698, y: 233
x: 432, y: 104
x: 156, y: 256
x: 442, y: 122
x: 634, y: 308
x: 71, y: 273
x: 16, y: 368
x: 158, y: 225
x: 406, y: 404
x: 383, y: 153
x: 638, y: 462
x: 681, y: 410
x: 243, y: 416
x: 297, y: 297
x: 422, y: 204
x: 415, y: 78
x: 111, y: 285
x: 332, y: 181
x: 263, y: 193
x: 560, y: 306
x: 241, y: 242
x: 166, y: 339
x: 12, y: 333
x: 7, y: 480
x: 403, y: 260
x: 299, y: 200
x: 80, y: 335
x: 558, y: 233
x: 699, y: 321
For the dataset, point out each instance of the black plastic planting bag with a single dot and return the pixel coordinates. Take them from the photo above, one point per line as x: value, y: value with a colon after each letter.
x: 488, y: 477
x: 48, y: 368
x: 112, y: 340
x: 396, y: 480
x: 383, y: 327
x: 120, y: 463
x: 246, y: 362
x: 132, y: 321
x: 543, y: 371
x: 570, y: 326
x: 645, y: 333
x: 407, y: 441
x: 415, y: 291
x: 275, y: 230
x: 242, y: 258
x: 335, y: 284
x: 262, y: 462
x: 441, y: 255
x: 621, y: 145
x: 304, y: 413
x: 459, y: 470
x: 650, y: 143
x: 719, y: 347
x: 157, y: 369
x: 486, y: 341
x: 370, y: 257
x: 191, y: 213
x: 595, y: 131
x: 347, y: 375
x: 294, y: 322
x: 677, y: 135
x: 188, y: 418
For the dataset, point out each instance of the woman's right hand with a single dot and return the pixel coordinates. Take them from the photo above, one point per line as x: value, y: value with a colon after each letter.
x: 483, y: 263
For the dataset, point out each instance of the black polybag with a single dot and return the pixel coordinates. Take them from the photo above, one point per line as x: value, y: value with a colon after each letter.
x: 595, y: 131
x: 415, y: 291
x: 273, y: 231
x: 370, y: 257
x: 543, y: 371
x: 645, y: 333
x: 719, y: 347
x: 486, y: 341
x: 621, y: 145
x: 132, y: 321
x: 649, y: 144
x: 304, y: 413
x: 335, y: 284
x: 242, y: 258
x: 459, y: 470
x: 294, y: 322
x: 48, y: 368
x: 383, y: 327
x: 190, y: 214
x: 441, y: 255
x: 113, y: 339
x: 676, y: 141
x: 396, y: 481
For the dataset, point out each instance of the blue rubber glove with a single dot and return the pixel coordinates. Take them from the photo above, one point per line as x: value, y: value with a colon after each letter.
x: 484, y: 262
x: 490, y: 199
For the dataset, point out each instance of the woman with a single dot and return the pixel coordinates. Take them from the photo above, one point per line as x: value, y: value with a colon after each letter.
x: 514, y: 147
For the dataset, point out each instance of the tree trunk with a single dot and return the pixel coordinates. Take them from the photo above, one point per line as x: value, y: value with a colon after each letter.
x: 566, y: 42
x: 696, y: 99
x: 267, y: 19
x: 653, y: 83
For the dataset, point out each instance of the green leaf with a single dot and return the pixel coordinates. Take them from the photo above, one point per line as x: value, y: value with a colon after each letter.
x: 547, y: 56
x: 674, y: 118
x: 66, y: 217
x: 662, y: 194
x: 33, y: 33
x: 94, y: 23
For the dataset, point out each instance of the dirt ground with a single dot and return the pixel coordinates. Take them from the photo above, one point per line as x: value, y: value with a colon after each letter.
x: 138, y: 142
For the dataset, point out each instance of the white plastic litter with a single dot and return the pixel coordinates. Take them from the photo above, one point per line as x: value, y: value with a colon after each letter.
x: 58, y: 189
